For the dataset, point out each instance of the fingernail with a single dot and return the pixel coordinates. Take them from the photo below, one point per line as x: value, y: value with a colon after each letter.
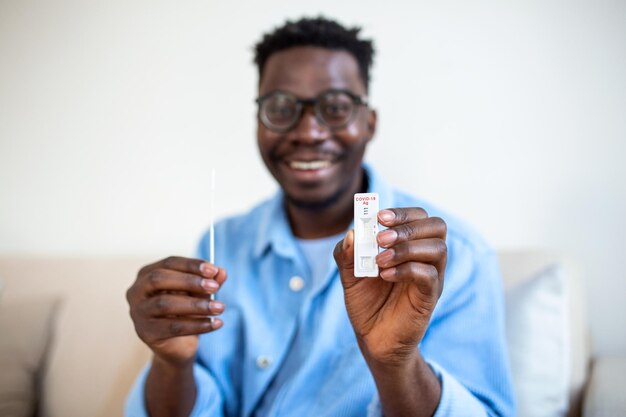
x: 384, y: 257
x: 386, y: 215
x: 208, y: 269
x: 387, y: 237
x: 388, y: 273
x: 210, y: 285
x: 216, y: 306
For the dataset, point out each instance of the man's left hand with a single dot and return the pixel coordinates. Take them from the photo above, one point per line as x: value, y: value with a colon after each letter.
x: 390, y: 314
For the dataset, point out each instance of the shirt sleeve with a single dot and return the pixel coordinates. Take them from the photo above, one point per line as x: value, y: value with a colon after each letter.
x: 208, y: 398
x: 455, y: 400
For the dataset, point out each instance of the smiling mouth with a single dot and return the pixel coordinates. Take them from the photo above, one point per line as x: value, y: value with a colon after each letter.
x: 309, y: 165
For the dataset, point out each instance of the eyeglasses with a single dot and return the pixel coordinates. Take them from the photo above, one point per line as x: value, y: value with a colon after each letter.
x: 281, y: 111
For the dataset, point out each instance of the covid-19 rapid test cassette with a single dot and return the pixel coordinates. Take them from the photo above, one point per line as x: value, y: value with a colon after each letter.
x: 365, y: 231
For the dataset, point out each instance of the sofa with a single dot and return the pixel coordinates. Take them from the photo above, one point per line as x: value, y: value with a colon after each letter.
x: 68, y: 347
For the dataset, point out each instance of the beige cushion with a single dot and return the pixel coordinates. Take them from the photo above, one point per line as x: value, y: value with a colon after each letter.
x: 25, y: 332
x: 95, y: 354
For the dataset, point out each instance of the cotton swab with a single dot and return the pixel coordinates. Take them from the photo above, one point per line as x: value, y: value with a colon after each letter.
x: 212, y: 229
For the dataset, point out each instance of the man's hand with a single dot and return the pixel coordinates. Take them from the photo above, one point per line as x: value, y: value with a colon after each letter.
x: 170, y: 306
x: 390, y: 314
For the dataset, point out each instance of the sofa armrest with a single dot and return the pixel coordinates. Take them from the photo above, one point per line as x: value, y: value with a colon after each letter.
x: 604, y: 395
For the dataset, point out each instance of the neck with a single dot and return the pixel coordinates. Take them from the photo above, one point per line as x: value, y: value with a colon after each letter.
x: 308, y: 223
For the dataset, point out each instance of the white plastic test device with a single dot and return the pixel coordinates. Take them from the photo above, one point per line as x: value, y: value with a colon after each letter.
x: 365, y: 231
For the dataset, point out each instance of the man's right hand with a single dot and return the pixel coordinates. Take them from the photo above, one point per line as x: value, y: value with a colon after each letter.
x: 170, y: 306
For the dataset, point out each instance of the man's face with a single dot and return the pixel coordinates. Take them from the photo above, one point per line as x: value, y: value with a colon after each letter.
x: 312, y: 163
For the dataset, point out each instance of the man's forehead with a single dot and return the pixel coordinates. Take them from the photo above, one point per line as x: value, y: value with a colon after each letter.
x: 307, y: 71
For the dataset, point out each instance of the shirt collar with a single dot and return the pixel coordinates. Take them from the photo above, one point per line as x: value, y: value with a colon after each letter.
x: 275, y: 231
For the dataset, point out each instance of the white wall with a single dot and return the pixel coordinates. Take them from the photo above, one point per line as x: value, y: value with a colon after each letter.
x: 512, y: 116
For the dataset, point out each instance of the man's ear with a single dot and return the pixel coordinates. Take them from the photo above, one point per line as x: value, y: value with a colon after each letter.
x: 372, y: 118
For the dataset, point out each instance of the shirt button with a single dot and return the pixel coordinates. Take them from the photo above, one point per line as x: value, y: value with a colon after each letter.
x: 263, y: 361
x: 296, y: 283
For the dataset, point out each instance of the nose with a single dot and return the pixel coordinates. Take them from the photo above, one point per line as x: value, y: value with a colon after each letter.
x: 309, y: 129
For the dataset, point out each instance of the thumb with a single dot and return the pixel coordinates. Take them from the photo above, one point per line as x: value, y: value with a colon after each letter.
x: 344, y: 257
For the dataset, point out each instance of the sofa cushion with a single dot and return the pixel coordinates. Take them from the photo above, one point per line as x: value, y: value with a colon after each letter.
x: 25, y: 333
x: 537, y: 334
x: 94, y: 355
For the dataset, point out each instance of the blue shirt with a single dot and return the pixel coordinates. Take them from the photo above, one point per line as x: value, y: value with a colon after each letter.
x: 270, y: 326
x: 313, y: 250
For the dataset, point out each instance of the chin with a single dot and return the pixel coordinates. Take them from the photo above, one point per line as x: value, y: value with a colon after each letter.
x: 314, y: 200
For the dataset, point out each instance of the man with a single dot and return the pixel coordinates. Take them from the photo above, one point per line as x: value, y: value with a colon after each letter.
x: 299, y: 335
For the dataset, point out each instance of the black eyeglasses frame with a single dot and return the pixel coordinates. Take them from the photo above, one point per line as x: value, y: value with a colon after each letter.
x: 301, y: 103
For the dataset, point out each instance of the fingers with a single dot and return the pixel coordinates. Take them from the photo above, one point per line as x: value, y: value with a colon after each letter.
x: 164, y: 280
x: 430, y: 251
x: 171, y: 297
x: 430, y: 227
x: 416, y: 249
x: 176, y: 274
x: 161, y: 292
x: 171, y: 280
x: 424, y: 276
x: 167, y: 305
x: 181, y: 264
x: 166, y: 328
x: 394, y: 216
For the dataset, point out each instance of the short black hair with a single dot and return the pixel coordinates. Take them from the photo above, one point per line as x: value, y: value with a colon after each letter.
x: 321, y: 32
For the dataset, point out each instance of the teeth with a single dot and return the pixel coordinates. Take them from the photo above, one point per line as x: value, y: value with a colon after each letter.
x: 309, y: 165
